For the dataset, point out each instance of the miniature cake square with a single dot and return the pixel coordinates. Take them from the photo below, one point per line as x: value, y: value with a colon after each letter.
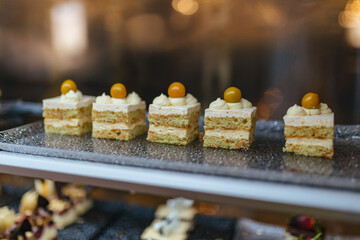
x: 230, y: 124
x: 309, y: 130
x: 174, y: 119
x: 69, y: 113
x: 119, y: 118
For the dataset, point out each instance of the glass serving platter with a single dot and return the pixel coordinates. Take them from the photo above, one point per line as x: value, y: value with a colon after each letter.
x: 264, y: 161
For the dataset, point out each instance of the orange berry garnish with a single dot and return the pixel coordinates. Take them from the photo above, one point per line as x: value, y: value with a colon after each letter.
x: 68, y: 85
x: 232, y: 95
x: 176, y: 90
x: 118, y: 90
x: 310, y: 101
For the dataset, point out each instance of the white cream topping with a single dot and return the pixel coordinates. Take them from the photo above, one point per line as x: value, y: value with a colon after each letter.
x: 177, y: 101
x: 161, y: 100
x: 219, y: 104
x: 326, y: 120
x: 237, y: 105
x: 324, y: 109
x: 313, y: 111
x: 190, y: 99
x: 56, y: 103
x: 327, y: 143
x: 301, y: 111
x: 238, y: 113
x: 71, y: 97
x: 245, y: 103
x: 133, y: 98
x: 118, y: 107
x: 103, y: 99
x: 296, y: 111
x: 118, y: 101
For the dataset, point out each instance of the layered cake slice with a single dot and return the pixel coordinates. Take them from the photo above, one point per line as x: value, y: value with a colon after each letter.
x: 174, y: 119
x: 309, y: 129
x: 230, y: 123
x: 69, y: 113
x: 118, y: 117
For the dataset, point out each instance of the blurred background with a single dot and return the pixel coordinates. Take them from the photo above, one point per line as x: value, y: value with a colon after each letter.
x: 274, y: 51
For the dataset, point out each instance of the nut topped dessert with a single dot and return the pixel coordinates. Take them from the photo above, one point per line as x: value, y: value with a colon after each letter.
x: 174, y: 119
x: 230, y: 123
x: 120, y: 116
x: 69, y: 113
x: 309, y: 129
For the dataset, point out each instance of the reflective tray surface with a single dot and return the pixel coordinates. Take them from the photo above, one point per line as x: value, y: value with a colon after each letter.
x: 264, y: 161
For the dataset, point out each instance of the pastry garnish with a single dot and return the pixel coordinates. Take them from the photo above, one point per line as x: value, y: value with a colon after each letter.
x: 176, y: 90
x: 118, y: 90
x: 232, y: 95
x: 311, y: 101
x: 67, y: 86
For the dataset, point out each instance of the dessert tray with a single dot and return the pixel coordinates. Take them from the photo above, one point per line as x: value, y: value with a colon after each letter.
x: 264, y: 161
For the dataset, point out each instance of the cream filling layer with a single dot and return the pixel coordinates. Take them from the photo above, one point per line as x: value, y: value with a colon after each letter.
x: 167, y: 130
x: 325, y: 120
x: 55, y: 103
x: 118, y: 107
x: 228, y: 113
x: 326, y: 143
x: 108, y: 126
x: 169, y: 110
x: 68, y: 122
x: 229, y: 134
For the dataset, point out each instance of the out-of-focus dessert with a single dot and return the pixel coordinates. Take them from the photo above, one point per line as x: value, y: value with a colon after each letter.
x: 119, y: 116
x: 34, y: 209
x: 170, y: 228
x: 69, y: 113
x: 173, y: 221
x: 230, y: 123
x: 309, y: 129
x: 174, y: 119
x: 66, y: 201
x: 302, y: 227
x: 184, y: 207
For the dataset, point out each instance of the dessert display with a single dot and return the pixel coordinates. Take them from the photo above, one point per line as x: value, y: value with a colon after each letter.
x: 69, y: 113
x: 302, y: 227
x: 172, y: 221
x: 174, y: 119
x: 120, y: 116
x: 184, y: 207
x: 230, y: 123
x: 309, y: 129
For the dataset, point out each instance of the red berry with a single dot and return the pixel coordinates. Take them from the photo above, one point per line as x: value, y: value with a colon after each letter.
x: 304, y: 222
